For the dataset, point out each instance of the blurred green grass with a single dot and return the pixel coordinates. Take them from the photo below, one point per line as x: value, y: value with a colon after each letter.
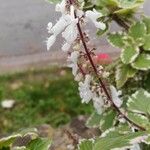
x: 42, y: 96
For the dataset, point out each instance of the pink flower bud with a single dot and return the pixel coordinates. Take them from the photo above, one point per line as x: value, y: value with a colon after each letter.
x: 102, y: 58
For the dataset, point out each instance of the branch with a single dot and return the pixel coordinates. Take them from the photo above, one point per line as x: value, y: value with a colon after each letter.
x: 96, y: 73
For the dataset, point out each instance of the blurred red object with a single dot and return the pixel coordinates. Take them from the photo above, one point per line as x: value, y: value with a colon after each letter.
x: 102, y: 58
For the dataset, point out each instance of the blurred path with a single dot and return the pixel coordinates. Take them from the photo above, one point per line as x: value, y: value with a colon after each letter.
x: 23, y: 34
x: 39, y: 60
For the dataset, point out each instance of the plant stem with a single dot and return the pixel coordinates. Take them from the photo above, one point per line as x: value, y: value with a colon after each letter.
x: 99, y: 79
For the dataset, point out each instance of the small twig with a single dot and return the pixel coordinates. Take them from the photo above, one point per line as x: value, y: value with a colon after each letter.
x: 74, y: 138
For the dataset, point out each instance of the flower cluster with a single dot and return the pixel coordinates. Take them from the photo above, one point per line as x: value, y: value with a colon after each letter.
x: 67, y: 25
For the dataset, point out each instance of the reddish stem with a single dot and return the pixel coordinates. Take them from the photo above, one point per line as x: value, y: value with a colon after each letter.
x: 99, y: 79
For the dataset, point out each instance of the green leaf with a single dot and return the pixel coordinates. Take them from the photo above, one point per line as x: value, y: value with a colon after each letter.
x: 146, y: 45
x: 94, y: 120
x: 128, y: 7
x: 116, y: 40
x: 142, y: 62
x: 146, y: 21
x: 108, y: 3
x: 123, y: 73
x: 39, y: 144
x: 20, y: 148
x: 7, y: 141
x: 129, y: 54
x: 139, y: 102
x: 125, y: 11
x: 139, y: 120
x: 86, y: 144
x: 138, y: 30
x: 32, y: 132
x: 120, y: 141
x: 107, y: 120
x: 130, y: 3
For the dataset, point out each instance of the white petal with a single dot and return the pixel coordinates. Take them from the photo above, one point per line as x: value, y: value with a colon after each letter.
x: 115, y: 96
x: 84, y: 90
x: 61, y: 7
x: 73, y: 57
x: 66, y: 47
x: 51, y: 40
x: 78, y: 77
x: 100, y: 25
x: 59, y: 26
x: 93, y: 15
x: 49, y: 27
x: 98, y: 103
x: 80, y: 13
x: 71, y: 32
x: 88, y: 79
x: 74, y: 69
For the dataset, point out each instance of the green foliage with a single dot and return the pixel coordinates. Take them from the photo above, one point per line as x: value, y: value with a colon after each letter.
x: 146, y: 20
x: 119, y: 7
x: 142, y: 62
x: 116, y: 140
x: 113, y: 138
x: 39, y: 143
x: 107, y: 120
x: 86, y: 145
x: 137, y: 31
x: 104, y: 121
x: 135, y: 50
x: 35, y: 141
x: 139, y: 102
x: 129, y: 54
x: 116, y: 40
x: 94, y: 120
x: 123, y: 73
x: 131, y: 74
x: 39, y: 94
x: 146, y: 45
x: 139, y: 120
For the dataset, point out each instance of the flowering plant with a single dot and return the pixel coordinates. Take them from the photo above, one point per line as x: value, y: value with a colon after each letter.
x: 119, y: 89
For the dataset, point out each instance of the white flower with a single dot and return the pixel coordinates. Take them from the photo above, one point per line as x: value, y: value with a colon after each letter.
x: 105, y: 74
x: 79, y: 13
x: 84, y: 89
x: 78, y: 77
x: 73, y: 59
x: 66, y: 23
x: 71, y: 32
x: 60, y: 25
x: 93, y: 16
x: 61, y: 7
x: 98, y: 103
x: 7, y: 103
x: 74, y: 68
x: 66, y: 47
x: 115, y: 96
x: 49, y: 27
x: 50, y: 41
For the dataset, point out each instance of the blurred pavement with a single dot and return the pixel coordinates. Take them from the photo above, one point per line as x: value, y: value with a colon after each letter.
x: 23, y: 34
